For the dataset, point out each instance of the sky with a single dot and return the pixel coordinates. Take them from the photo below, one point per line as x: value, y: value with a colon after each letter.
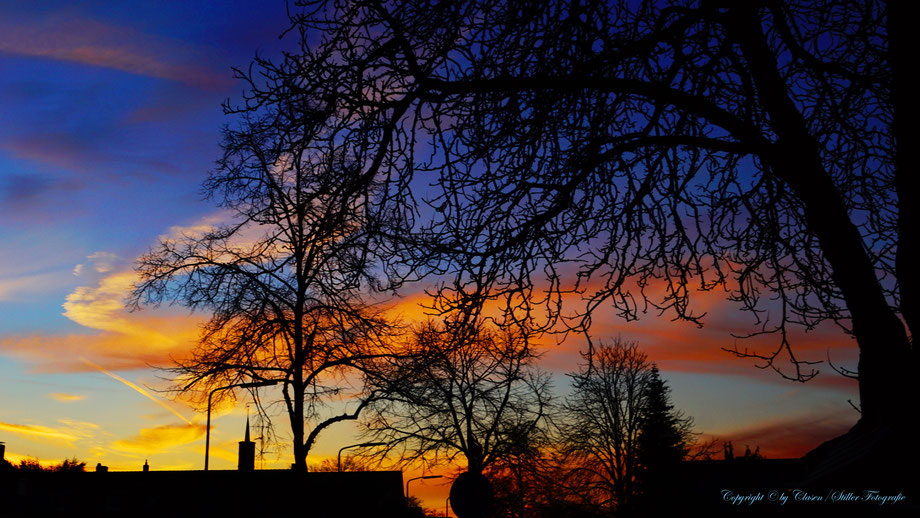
x: 110, y: 118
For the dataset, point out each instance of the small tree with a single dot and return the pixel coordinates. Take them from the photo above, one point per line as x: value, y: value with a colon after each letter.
x: 66, y: 466
x: 69, y: 465
x: 30, y: 465
x: 664, y: 440
x: 460, y: 389
x: 349, y: 463
x: 619, y: 427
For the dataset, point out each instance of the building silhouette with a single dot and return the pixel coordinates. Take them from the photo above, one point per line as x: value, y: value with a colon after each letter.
x: 202, y: 493
x: 246, y: 460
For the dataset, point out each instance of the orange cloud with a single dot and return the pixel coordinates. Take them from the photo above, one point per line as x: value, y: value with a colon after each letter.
x: 38, y: 432
x: 160, y: 438
x: 685, y: 347
x: 151, y: 342
x: 102, y: 307
x: 125, y: 340
x: 682, y: 346
x: 66, y: 398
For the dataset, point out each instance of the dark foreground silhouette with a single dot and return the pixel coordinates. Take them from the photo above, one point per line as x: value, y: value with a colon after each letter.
x: 198, y: 493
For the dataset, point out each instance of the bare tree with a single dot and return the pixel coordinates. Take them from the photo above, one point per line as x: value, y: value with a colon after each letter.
x: 282, y: 279
x: 349, y: 463
x: 459, y: 389
x: 753, y: 147
x: 618, y: 424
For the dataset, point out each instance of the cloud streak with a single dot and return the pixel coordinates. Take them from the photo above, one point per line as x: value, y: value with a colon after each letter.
x: 29, y: 285
x: 66, y: 398
x: 90, y: 42
x: 38, y: 432
x: 160, y: 438
x: 138, y: 389
x: 124, y: 340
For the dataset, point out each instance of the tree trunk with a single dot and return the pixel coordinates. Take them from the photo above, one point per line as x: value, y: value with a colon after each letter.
x: 297, y: 417
x: 904, y: 111
x: 884, y: 348
x: 297, y: 429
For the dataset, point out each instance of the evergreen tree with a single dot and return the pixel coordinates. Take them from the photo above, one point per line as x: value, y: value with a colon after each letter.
x: 664, y: 439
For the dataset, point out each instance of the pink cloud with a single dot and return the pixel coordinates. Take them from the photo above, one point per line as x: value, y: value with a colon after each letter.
x: 94, y: 43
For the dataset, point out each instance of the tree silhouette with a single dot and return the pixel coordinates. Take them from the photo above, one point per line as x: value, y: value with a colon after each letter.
x: 69, y: 465
x: 349, y: 463
x: 66, y: 466
x: 281, y: 280
x: 619, y: 431
x: 753, y: 147
x: 30, y: 465
x: 459, y: 389
x: 665, y: 438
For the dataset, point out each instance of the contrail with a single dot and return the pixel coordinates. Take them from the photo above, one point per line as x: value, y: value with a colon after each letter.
x: 135, y: 387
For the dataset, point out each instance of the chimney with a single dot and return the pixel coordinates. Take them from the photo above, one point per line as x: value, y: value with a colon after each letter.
x: 247, y: 454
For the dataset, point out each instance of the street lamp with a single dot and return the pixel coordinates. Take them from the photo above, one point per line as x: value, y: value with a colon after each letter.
x: 418, y: 478
x: 362, y: 445
x: 207, y: 436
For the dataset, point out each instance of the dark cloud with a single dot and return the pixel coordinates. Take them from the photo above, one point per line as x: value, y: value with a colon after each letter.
x: 21, y: 189
x: 792, y: 437
x: 36, y: 198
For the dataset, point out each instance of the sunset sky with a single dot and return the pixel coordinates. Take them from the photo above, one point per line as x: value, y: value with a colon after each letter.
x: 110, y: 119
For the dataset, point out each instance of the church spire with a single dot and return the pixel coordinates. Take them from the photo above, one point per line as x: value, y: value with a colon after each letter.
x: 247, y: 456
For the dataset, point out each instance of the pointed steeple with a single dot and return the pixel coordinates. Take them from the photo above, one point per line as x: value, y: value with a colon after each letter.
x: 247, y: 456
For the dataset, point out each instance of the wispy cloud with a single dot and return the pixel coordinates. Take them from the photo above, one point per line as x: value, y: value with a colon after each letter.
x: 28, y: 285
x: 66, y: 398
x: 138, y: 389
x: 124, y: 340
x: 38, y: 432
x: 160, y: 438
x: 102, y: 306
x: 91, y: 42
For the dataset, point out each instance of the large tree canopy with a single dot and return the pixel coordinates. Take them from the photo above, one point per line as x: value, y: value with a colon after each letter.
x: 751, y: 147
x: 282, y: 281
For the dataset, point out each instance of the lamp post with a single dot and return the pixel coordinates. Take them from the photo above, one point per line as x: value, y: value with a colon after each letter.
x: 418, y: 478
x: 207, y: 435
x: 362, y: 445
